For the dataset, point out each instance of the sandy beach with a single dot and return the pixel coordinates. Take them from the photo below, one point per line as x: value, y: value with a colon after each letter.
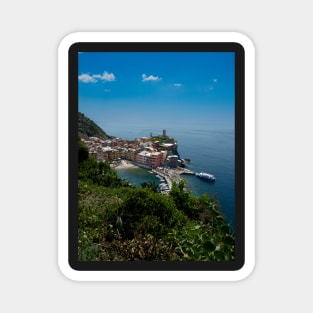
x: 124, y: 164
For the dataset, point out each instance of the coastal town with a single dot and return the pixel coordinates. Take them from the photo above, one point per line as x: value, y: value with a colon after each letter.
x: 147, y: 152
x: 157, y: 154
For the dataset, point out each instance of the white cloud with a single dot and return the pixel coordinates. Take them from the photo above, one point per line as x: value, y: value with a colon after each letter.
x: 107, y: 90
x: 150, y: 78
x: 107, y: 77
x: 86, y: 78
x: 177, y: 85
x: 214, y: 80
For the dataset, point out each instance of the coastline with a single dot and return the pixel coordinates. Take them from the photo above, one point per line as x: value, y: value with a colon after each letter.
x: 123, y: 164
x: 166, y: 174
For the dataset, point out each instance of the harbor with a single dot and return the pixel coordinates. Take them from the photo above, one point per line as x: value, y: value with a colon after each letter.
x: 169, y: 176
x: 166, y: 176
x: 196, y: 146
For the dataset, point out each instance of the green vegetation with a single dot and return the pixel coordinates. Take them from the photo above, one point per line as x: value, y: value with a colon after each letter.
x: 150, y: 185
x: 88, y: 128
x: 163, y: 139
x: 121, y: 223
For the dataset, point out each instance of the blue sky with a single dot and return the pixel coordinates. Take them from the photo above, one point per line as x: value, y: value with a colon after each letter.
x: 157, y: 90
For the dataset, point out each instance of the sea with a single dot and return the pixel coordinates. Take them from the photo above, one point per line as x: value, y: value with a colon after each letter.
x: 211, y: 151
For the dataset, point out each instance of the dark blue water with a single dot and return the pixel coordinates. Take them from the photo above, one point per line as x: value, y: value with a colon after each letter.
x: 210, y: 151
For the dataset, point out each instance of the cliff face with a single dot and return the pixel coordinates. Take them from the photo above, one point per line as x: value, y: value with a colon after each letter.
x: 174, y: 150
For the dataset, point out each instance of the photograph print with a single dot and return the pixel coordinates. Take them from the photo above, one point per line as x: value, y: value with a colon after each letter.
x: 157, y: 156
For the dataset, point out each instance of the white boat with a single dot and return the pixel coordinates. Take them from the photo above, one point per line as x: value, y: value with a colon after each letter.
x: 164, y: 186
x: 206, y: 176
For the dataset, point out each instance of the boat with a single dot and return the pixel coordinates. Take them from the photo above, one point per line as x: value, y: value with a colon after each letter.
x: 164, y: 187
x: 206, y: 176
x: 187, y: 160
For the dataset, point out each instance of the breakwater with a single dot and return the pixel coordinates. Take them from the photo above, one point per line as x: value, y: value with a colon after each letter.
x: 171, y: 175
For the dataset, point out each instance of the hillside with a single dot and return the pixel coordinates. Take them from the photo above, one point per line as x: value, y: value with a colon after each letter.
x: 119, y: 222
x: 89, y: 128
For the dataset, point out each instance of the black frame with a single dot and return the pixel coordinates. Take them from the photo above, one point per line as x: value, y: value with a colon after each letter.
x: 239, y: 261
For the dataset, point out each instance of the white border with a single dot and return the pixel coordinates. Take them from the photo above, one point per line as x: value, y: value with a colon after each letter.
x: 64, y: 46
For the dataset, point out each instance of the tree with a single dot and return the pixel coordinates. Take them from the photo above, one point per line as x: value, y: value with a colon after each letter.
x: 150, y: 185
x: 147, y: 212
x: 83, y: 153
x: 182, y: 198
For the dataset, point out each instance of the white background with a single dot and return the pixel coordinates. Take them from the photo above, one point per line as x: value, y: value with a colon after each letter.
x: 29, y: 276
